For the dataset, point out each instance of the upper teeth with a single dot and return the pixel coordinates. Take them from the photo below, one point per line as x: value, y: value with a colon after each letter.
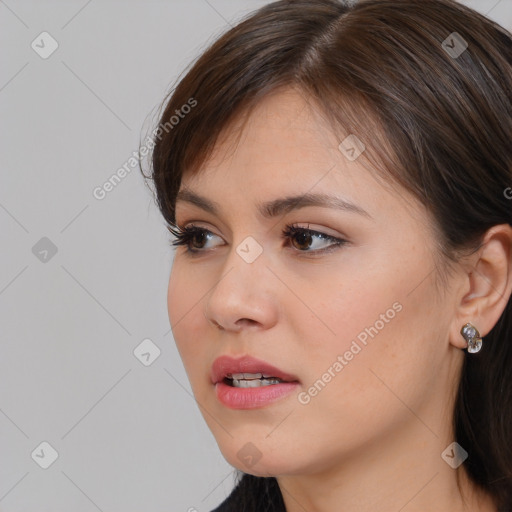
x: 254, y: 383
x: 249, y: 376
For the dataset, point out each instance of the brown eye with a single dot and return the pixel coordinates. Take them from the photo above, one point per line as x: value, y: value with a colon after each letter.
x: 192, y: 237
x: 303, y: 239
x: 200, y: 237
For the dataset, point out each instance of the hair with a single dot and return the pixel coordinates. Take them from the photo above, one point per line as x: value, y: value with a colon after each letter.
x: 438, y: 124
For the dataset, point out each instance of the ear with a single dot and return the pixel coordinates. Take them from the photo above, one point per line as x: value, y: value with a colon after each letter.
x: 486, y: 286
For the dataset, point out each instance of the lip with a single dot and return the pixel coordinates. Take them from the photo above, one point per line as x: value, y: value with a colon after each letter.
x: 249, y: 398
x: 246, y: 364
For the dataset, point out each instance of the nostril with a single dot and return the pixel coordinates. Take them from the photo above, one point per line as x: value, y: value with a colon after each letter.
x: 212, y: 322
x: 216, y: 324
x: 245, y: 321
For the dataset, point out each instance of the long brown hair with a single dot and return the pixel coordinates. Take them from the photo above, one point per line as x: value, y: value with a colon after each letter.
x: 427, y: 87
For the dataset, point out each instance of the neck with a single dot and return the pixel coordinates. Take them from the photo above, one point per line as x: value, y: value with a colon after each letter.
x: 402, y: 472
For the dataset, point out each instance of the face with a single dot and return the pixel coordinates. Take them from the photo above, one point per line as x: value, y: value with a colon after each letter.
x: 343, y: 313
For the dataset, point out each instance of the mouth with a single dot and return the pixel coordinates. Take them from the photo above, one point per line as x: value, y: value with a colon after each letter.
x: 251, y: 380
x: 247, y: 372
x: 249, y: 383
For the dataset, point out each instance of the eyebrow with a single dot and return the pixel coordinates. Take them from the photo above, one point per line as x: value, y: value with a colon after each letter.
x: 277, y: 207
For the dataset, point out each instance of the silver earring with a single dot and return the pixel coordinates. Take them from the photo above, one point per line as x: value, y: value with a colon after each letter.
x: 472, y: 336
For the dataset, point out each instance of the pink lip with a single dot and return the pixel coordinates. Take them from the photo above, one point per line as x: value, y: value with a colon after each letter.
x: 246, y: 364
x: 249, y: 398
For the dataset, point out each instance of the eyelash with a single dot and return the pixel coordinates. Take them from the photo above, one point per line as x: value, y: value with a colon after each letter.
x: 184, y: 236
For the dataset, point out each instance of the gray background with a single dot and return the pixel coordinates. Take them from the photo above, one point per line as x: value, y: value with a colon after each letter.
x: 129, y: 436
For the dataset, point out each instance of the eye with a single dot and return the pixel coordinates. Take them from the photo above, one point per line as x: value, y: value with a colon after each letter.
x: 194, y: 238
x: 189, y: 234
x: 306, y: 237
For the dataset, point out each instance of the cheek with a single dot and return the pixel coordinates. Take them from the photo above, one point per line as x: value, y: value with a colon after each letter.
x: 185, y: 310
x: 383, y: 332
x: 346, y: 305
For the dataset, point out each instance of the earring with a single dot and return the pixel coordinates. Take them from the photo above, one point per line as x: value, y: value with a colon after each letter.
x: 472, y: 336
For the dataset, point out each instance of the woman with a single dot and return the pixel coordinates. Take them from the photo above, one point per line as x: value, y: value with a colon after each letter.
x: 337, y: 177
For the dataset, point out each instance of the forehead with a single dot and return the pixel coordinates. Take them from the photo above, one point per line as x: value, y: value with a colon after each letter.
x: 281, y: 140
x: 284, y: 148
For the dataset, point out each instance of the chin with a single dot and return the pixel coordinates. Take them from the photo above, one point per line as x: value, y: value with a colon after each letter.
x: 265, y: 468
x: 260, y: 459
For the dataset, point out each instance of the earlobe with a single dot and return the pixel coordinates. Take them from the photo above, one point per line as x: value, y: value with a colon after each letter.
x: 487, y: 289
x: 472, y: 336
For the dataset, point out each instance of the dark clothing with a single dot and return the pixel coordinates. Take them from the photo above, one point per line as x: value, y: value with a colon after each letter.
x: 253, y: 494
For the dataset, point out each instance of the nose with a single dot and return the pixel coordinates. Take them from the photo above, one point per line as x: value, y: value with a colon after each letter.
x: 243, y: 297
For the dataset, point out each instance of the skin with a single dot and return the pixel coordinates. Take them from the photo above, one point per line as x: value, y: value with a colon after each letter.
x: 372, y: 439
